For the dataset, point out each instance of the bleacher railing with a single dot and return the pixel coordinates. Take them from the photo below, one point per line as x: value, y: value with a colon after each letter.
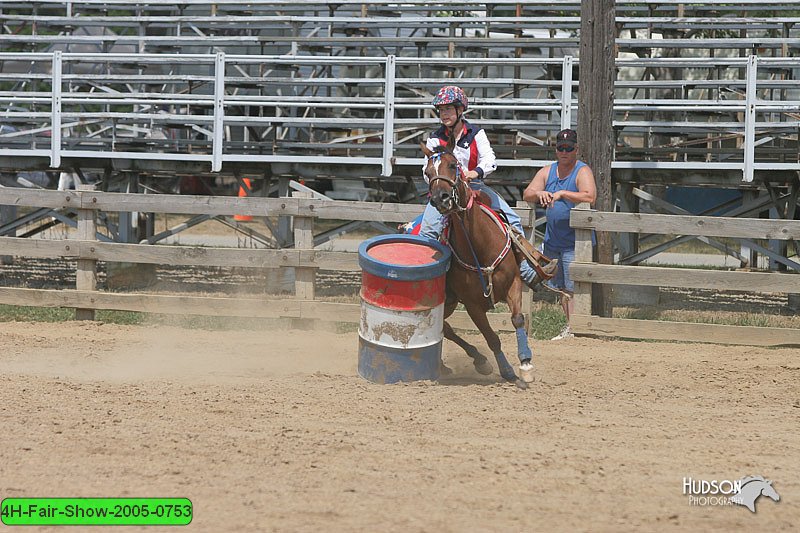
x: 219, y: 108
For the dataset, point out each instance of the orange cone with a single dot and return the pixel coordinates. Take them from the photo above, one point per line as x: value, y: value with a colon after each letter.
x: 244, y: 190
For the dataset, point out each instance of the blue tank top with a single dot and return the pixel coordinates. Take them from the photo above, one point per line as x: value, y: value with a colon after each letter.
x: 558, y: 235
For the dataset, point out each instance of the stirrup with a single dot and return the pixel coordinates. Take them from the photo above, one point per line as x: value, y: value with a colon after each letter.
x: 533, y: 256
x: 548, y: 271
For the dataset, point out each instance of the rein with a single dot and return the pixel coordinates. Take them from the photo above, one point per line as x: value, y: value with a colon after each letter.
x: 472, y: 194
x: 489, y: 271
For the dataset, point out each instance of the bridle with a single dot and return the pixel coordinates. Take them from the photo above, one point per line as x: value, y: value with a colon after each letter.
x: 436, y: 158
x: 484, y: 273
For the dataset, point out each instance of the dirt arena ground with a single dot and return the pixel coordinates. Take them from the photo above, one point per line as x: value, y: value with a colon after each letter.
x: 274, y: 431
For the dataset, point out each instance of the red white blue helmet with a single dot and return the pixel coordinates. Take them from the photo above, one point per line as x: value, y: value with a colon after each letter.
x: 450, y: 94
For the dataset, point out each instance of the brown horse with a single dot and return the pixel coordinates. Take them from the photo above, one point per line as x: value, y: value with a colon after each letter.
x: 484, y: 269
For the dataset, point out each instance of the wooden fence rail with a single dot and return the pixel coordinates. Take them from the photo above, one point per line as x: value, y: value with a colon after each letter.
x: 303, y: 258
x: 584, y: 272
x: 306, y: 261
x: 212, y: 205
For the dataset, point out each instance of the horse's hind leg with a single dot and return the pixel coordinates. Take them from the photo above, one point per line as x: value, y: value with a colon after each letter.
x: 478, y: 316
x: 478, y: 360
x: 514, y: 300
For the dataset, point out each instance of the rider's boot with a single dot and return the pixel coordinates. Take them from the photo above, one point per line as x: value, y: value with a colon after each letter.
x: 544, y: 267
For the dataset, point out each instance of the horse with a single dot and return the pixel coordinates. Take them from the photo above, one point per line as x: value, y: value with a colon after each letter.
x: 484, y: 269
x: 752, y: 488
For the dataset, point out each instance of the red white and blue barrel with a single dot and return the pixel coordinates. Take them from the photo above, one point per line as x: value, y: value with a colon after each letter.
x: 402, y: 308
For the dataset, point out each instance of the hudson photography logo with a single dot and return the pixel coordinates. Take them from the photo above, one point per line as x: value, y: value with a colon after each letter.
x: 744, y: 491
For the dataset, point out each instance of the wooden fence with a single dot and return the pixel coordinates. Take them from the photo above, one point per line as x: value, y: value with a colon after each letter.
x: 584, y: 272
x: 306, y: 261
x: 303, y: 258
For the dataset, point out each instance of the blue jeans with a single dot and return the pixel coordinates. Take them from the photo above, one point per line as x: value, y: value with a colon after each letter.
x: 433, y: 221
x: 562, y: 279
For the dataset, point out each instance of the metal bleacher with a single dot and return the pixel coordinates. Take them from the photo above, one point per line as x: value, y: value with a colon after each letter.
x: 706, y: 92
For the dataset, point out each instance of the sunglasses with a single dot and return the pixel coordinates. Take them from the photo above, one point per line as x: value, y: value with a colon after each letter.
x: 565, y: 148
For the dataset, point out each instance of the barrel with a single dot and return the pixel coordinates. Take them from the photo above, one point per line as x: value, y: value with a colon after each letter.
x: 402, y: 308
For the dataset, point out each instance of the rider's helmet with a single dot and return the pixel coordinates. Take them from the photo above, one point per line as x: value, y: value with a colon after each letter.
x: 451, y: 94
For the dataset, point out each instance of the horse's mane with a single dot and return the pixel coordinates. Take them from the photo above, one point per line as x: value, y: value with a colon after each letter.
x: 748, y: 479
x: 442, y: 150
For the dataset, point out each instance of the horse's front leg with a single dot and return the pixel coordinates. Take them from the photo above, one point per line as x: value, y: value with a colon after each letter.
x: 480, y: 362
x: 478, y: 316
x: 514, y: 300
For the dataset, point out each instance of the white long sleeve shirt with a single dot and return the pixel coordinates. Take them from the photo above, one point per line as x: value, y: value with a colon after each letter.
x: 472, y: 150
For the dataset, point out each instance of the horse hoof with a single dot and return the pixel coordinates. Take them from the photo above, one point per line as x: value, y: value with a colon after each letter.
x: 509, y: 375
x: 484, y: 368
x: 521, y: 384
x: 526, y: 372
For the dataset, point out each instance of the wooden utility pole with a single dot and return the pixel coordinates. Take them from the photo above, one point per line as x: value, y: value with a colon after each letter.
x: 595, y: 115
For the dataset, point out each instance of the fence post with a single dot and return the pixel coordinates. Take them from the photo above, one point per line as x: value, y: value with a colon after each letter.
x: 750, y: 118
x: 55, y: 112
x: 304, y: 240
x: 388, y: 117
x: 219, y: 112
x: 583, y: 254
x: 86, y: 274
x: 8, y: 213
x: 566, y: 93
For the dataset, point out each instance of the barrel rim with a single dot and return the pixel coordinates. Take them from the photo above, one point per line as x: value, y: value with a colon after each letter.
x: 403, y: 272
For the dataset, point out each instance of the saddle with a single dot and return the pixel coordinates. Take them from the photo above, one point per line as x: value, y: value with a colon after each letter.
x: 544, y: 266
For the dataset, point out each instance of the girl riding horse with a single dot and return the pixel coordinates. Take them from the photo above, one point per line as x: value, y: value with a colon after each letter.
x: 471, y: 147
x: 481, y: 275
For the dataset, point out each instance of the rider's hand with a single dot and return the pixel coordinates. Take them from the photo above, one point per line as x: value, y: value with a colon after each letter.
x: 470, y: 175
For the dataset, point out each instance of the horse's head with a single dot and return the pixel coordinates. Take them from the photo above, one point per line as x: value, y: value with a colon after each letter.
x: 768, y: 491
x: 444, y: 174
x: 751, y: 488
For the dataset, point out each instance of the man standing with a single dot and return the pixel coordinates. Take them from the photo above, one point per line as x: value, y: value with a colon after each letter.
x: 558, y: 187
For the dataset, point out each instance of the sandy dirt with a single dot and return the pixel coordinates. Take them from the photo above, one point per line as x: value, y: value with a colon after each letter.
x: 274, y: 431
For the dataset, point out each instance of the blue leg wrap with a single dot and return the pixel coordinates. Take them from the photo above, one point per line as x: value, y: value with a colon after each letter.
x: 523, y: 350
x: 504, y: 367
